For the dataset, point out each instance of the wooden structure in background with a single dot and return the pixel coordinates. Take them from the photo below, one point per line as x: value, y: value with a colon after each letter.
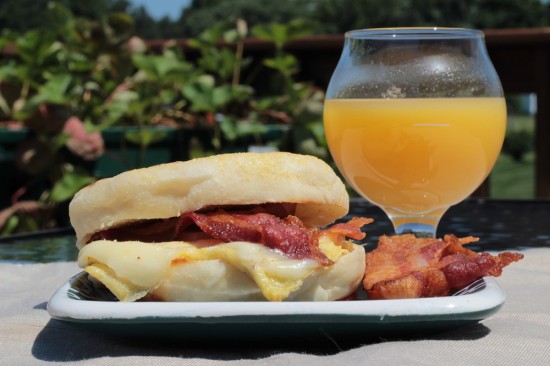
x: 522, y: 60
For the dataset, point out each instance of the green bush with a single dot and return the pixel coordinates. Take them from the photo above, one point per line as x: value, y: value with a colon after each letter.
x: 68, y: 83
x: 518, y: 143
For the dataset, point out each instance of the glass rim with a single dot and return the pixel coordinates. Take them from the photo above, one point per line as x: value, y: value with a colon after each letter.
x: 414, y: 33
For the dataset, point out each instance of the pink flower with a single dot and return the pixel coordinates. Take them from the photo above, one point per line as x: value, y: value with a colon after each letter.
x: 88, y: 145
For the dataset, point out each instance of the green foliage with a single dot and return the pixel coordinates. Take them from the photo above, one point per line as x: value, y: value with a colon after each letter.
x: 513, y: 179
x: 282, y: 33
x: 206, y: 96
x: 65, y: 70
x: 209, y: 92
x: 329, y: 16
x: 82, y: 59
x: 201, y: 14
x: 338, y: 16
x: 520, y: 134
x: 24, y: 15
x: 82, y: 76
x: 69, y: 183
x: 67, y: 65
x: 518, y: 143
x: 343, y: 15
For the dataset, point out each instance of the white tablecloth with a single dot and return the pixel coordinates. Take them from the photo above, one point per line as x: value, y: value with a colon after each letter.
x: 519, y: 334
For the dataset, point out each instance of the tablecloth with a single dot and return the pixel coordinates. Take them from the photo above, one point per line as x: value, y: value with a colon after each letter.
x: 519, y: 334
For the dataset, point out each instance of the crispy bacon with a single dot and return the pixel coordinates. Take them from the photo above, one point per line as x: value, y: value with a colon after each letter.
x: 350, y: 229
x: 403, y: 266
x: 272, y: 225
x: 288, y: 235
x: 182, y: 227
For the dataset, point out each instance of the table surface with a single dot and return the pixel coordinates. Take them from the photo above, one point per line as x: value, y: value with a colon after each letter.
x: 500, y: 224
x: 518, y: 334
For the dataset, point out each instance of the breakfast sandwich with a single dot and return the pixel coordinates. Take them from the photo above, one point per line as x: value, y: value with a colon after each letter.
x: 233, y: 227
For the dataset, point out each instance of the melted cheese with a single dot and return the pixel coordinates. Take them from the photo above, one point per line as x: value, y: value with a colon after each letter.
x: 124, y: 289
x: 130, y: 270
x: 332, y: 250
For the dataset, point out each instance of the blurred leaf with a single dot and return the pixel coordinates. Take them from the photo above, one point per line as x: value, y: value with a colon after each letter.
x: 6, y: 38
x: 194, y: 43
x: 164, y: 67
x: 10, y: 71
x: 309, y: 106
x: 280, y: 34
x: 517, y: 143
x: 221, y: 96
x: 231, y: 36
x: 10, y: 226
x: 228, y: 126
x: 318, y: 131
x: 119, y: 106
x: 241, y: 93
x: 199, y: 92
x: 70, y: 183
x: 37, y: 47
x: 285, y: 64
x: 219, y: 61
x: 55, y: 90
x: 79, y: 62
x: 265, y: 103
x: 146, y: 64
x: 306, y: 144
x: 125, y: 96
x: 209, y: 36
x: 60, y: 17
x: 26, y: 109
x: 118, y: 28
x: 274, y: 32
x: 250, y: 128
x: 145, y: 137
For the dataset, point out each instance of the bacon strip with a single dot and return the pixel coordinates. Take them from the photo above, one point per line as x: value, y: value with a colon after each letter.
x: 404, y: 266
x: 179, y: 228
x: 350, y: 229
x: 272, y: 225
x: 288, y: 235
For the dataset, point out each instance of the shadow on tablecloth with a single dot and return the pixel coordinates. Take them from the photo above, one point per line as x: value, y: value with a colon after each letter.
x: 61, y: 342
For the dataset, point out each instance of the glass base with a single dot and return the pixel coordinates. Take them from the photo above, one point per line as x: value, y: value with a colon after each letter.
x: 421, y: 225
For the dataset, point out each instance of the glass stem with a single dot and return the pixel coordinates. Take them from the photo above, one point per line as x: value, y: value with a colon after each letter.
x: 421, y: 225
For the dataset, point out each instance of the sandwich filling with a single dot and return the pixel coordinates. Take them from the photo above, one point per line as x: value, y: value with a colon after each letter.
x: 264, y: 248
x: 273, y: 225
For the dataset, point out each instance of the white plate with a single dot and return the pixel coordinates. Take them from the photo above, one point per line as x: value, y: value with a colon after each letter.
x: 79, y: 303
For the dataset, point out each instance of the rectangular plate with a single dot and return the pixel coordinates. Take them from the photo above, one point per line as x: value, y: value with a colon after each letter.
x: 78, y: 302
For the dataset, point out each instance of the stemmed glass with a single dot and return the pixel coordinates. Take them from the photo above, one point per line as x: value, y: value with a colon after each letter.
x: 415, y: 119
